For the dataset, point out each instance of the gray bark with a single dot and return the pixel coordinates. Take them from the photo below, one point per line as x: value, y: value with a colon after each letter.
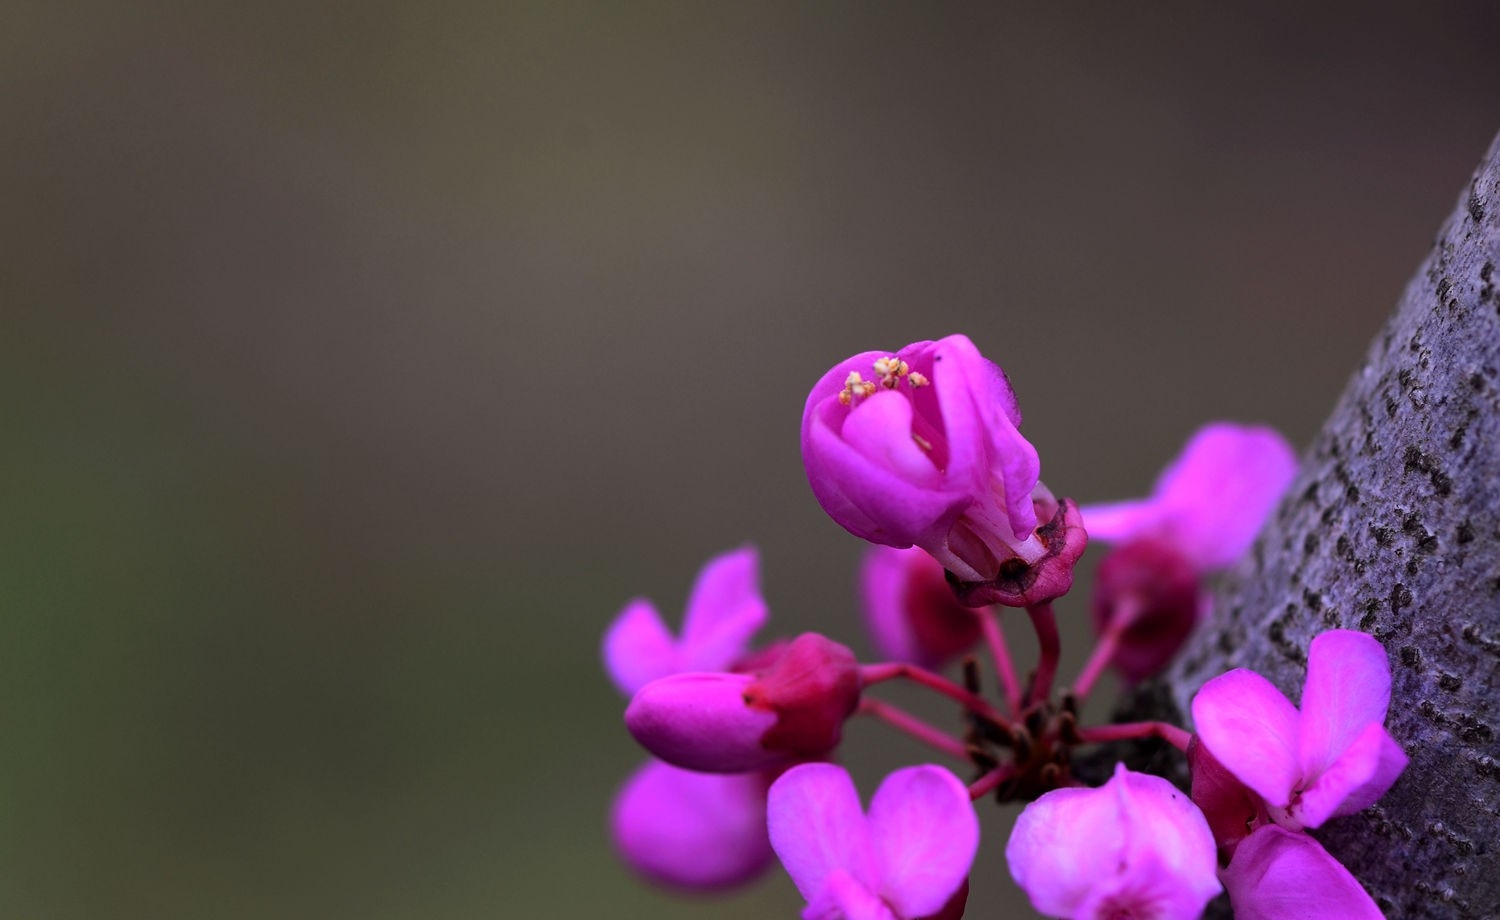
x: 1393, y: 528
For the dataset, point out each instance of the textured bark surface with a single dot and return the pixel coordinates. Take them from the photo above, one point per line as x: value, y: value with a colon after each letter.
x: 1393, y: 528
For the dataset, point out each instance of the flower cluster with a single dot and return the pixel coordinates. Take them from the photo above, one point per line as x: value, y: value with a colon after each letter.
x: 919, y: 452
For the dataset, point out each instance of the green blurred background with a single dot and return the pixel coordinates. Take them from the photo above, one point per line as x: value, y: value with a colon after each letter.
x: 359, y: 361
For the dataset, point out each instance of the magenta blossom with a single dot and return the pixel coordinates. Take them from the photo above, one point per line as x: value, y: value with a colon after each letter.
x: 697, y: 831
x: 1134, y: 847
x: 921, y: 448
x: 725, y: 722
x: 1333, y: 757
x: 1280, y: 875
x: 1208, y: 505
x: 910, y: 610
x: 1211, y: 501
x: 908, y: 858
x: 723, y: 612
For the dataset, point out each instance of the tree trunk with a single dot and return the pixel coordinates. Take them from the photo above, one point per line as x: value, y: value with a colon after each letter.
x: 1393, y: 528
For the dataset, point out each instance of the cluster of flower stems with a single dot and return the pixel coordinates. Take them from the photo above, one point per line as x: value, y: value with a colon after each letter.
x: 919, y: 452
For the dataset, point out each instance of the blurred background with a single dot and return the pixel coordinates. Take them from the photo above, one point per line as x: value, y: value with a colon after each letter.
x: 358, y: 362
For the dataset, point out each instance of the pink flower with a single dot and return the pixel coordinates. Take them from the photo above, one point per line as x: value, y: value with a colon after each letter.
x: 911, y: 612
x: 728, y: 723
x: 1211, y: 501
x: 696, y: 831
x: 1208, y: 505
x: 908, y: 858
x: 1333, y: 757
x: 1134, y: 847
x: 724, y: 610
x: 921, y: 448
x: 1280, y: 875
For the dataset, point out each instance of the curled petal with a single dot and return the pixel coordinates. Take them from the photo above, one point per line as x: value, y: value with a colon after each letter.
x: 702, y: 722
x: 925, y: 834
x: 1348, y: 688
x: 1280, y: 875
x: 695, y: 831
x: 817, y: 828
x: 638, y: 647
x: 1252, y: 729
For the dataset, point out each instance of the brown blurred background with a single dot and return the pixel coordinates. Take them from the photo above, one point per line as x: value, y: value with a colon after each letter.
x: 359, y: 362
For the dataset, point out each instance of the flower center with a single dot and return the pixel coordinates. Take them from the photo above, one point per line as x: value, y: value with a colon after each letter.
x: 889, y: 372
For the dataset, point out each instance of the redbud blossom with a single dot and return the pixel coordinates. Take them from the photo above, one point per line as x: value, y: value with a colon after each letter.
x: 698, y: 831
x: 1207, y: 507
x: 907, y: 859
x: 720, y: 722
x: 724, y: 610
x: 1134, y: 847
x: 921, y: 448
x: 1210, y: 502
x: 910, y: 610
x: 1280, y: 875
x: 1333, y: 757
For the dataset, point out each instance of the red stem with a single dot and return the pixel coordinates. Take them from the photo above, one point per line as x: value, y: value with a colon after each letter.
x: 877, y: 673
x: 1105, y: 647
x: 1045, y: 623
x: 986, y: 784
x: 1128, y: 731
x: 989, y: 622
x: 906, y: 722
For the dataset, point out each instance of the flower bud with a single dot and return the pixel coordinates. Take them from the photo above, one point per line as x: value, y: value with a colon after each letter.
x: 911, y: 612
x: 719, y: 722
x: 1148, y: 594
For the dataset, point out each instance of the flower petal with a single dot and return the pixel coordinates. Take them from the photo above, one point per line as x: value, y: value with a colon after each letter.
x: 638, y: 647
x: 724, y: 611
x: 1251, y: 728
x: 702, y: 722
x: 925, y: 834
x: 1362, y: 774
x: 1062, y: 845
x: 1221, y: 488
x: 868, y: 499
x: 817, y: 827
x: 1280, y: 875
x: 843, y: 898
x: 1169, y: 847
x: 980, y: 416
x: 879, y: 429
x: 1348, y: 688
x: 697, y: 831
